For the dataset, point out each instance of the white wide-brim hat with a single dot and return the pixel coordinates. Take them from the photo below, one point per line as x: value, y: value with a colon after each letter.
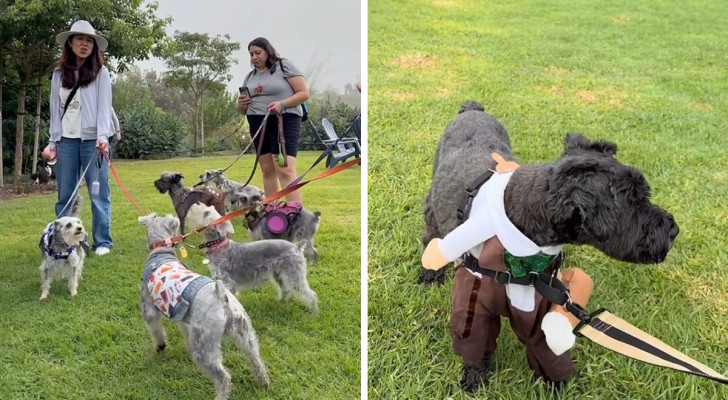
x: 84, y: 28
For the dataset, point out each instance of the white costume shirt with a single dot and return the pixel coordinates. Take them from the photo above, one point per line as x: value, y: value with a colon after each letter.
x: 487, y: 219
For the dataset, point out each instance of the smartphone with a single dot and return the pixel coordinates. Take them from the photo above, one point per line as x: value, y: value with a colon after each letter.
x: 244, y: 91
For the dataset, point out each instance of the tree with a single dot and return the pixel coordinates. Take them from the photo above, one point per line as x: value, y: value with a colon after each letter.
x: 199, y: 64
x: 29, y: 28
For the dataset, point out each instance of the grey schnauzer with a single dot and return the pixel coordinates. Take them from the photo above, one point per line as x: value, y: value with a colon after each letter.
x: 61, y: 245
x: 204, y: 310
x: 246, y: 265
x: 237, y: 195
x: 586, y: 197
x: 184, y: 197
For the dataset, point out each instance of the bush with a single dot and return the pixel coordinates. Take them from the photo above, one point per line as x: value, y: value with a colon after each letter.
x: 148, y: 132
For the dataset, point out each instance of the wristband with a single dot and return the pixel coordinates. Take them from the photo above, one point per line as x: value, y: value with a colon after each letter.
x: 283, y: 105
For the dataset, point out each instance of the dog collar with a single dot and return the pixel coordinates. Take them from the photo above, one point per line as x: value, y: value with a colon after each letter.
x: 214, y: 245
x: 166, y: 242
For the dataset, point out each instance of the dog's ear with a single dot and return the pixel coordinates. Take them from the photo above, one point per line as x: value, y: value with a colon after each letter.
x: 584, y: 198
x: 177, y: 177
x: 173, y: 222
x: 576, y: 143
x: 147, y: 219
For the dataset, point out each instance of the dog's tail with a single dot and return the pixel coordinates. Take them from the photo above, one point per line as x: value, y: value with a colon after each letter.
x: 470, y: 105
x: 75, y: 208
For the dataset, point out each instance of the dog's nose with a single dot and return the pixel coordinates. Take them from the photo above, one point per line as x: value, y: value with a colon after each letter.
x: 674, y: 230
x: 79, y: 230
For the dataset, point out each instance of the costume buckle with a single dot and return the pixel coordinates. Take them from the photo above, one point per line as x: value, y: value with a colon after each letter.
x: 507, y: 273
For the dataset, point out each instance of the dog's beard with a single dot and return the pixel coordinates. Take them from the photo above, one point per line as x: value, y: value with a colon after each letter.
x: 73, y: 236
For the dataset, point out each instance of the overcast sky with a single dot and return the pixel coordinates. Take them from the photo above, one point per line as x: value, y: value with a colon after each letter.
x: 307, y: 32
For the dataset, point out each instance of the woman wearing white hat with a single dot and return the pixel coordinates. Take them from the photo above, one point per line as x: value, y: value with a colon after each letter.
x: 80, y: 125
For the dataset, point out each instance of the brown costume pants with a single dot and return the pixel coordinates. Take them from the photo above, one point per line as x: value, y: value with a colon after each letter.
x: 477, y: 307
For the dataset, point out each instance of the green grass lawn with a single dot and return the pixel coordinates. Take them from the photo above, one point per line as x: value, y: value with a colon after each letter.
x: 650, y: 76
x: 95, y: 346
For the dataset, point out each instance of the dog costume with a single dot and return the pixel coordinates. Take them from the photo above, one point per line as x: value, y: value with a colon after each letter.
x: 501, y: 266
x: 171, y: 285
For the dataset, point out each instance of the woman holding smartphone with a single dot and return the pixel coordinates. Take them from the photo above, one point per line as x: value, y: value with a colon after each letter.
x: 274, y: 86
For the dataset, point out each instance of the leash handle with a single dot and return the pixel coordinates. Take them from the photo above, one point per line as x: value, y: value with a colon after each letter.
x: 282, y: 156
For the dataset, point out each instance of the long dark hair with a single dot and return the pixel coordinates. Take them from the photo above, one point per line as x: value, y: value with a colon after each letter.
x: 87, y: 72
x: 264, y: 44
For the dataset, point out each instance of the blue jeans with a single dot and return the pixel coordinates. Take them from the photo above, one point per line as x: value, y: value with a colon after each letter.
x: 73, y: 157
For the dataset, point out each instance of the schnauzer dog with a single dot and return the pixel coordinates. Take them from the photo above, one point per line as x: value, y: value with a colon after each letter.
x: 60, y: 245
x: 204, y: 310
x: 183, y: 197
x: 586, y: 197
x: 237, y: 195
x: 246, y: 265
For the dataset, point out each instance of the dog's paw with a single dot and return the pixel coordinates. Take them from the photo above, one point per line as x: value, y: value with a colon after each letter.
x: 431, y: 277
x: 473, y: 378
x: 263, y: 381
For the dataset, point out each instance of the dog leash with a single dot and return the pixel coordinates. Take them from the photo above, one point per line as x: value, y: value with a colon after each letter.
x: 261, y: 128
x: 78, y: 185
x: 173, y: 241
x: 121, y: 185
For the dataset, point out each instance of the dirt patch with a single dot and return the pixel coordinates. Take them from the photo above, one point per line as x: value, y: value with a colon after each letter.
x: 415, y: 61
x: 13, y: 192
x: 445, y: 3
x: 402, y: 96
x: 586, y: 96
x: 698, y: 106
x: 555, y: 71
x: 622, y: 18
x: 555, y: 90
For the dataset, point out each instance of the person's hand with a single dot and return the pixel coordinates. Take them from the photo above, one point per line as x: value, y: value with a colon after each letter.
x: 103, y: 147
x: 244, y: 101
x: 49, y: 153
x: 275, y: 107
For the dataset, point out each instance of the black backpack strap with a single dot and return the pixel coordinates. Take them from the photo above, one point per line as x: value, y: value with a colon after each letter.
x: 464, y: 210
x: 69, y: 98
x: 245, y: 81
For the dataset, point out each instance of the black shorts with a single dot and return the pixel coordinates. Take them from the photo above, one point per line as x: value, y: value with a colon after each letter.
x: 291, y: 132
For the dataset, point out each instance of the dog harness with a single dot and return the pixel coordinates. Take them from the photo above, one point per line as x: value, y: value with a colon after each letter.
x: 46, y: 240
x: 482, y: 217
x: 278, y: 217
x: 172, y: 286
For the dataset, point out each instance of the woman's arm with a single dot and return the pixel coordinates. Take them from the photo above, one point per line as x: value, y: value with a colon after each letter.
x: 103, y: 106
x: 55, y: 104
x: 300, y: 91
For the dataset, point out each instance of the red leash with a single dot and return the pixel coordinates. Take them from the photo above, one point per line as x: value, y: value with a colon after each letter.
x: 123, y: 188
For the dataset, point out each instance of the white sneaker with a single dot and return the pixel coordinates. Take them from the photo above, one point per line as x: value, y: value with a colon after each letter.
x: 101, y: 251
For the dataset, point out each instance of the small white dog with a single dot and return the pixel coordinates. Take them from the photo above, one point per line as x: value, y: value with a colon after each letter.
x: 64, y: 245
